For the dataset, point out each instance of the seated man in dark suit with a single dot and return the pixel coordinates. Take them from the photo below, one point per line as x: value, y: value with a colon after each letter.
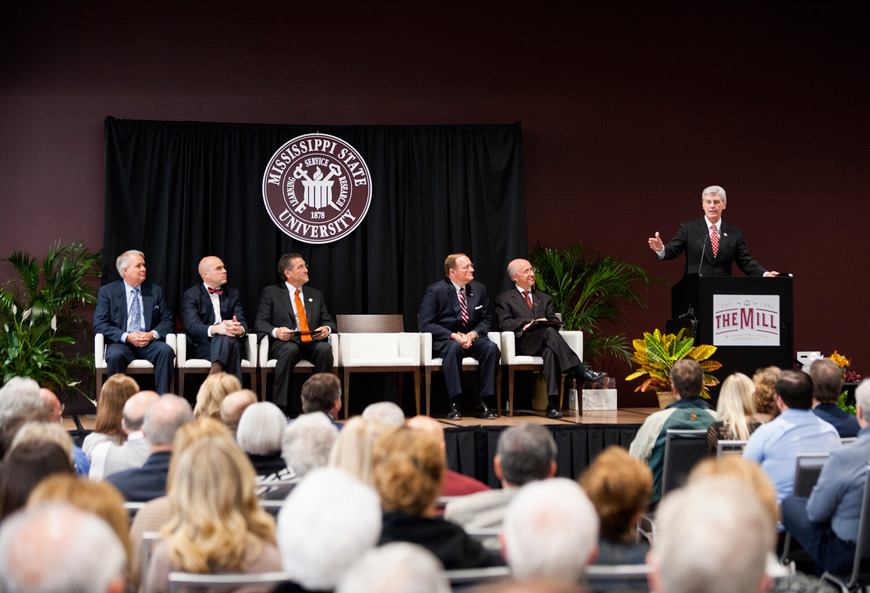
x: 162, y: 419
x: 827, y: 386
x: 298, y: 324
x: 455, y: 311
x: 517, y: 310
x: 214, y: 319
x: 133, y: 316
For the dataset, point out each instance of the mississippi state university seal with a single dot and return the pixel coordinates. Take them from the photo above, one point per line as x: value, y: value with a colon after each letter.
x: 317, y: 188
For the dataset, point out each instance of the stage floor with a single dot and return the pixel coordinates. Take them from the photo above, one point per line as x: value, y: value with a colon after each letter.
x: 620, y: 416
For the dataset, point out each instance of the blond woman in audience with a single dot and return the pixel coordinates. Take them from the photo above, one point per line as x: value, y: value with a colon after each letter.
x: 110, y: 406
x: 352, y: 450
x: 736, y: 412
x: 620, y: 487
x: 217, y: 524
x: 212, y: 392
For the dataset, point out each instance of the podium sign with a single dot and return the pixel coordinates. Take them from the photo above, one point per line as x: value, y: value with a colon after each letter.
x: 746, y: 320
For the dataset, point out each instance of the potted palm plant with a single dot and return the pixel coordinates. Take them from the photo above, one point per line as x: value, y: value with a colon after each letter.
x: 38, y: 316
x: 656, y: 353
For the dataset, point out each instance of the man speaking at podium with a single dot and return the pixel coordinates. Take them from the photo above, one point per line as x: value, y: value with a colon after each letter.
x: 711, y: 245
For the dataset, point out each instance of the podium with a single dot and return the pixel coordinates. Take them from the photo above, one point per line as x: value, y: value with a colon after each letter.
x: 748, y: 319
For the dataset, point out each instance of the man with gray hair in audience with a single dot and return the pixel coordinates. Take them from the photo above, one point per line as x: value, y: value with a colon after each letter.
x: 525, y: 452
x: 550, y: 531
x: 713, y: 536
x: 19, y: 394
x: 387, y: 413
x: 162, y: 419
x: 399, y: 567
x: 234, y: 405
x: 327, y: 522
x: 57, y: 547
x: 109, y: 458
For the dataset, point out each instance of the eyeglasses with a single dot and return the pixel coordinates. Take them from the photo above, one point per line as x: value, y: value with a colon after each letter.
x: 466, y: 268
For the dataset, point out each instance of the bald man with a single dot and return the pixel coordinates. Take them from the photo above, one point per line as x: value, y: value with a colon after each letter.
x: 214, y: 319
x: 109, y: 458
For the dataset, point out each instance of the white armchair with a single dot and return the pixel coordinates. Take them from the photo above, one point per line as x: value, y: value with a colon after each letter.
x: 187, y: 366
x: 267, y: 365
x: 137, y: 367
x: 431, y: 363
x: 521, y: 362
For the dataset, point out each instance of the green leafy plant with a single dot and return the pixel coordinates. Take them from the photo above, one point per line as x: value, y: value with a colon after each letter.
x: 38, y: 320
x: 589, y: 288
x: 656, y: 354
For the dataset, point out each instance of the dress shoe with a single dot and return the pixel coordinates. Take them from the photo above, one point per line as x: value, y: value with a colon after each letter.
x: 593, y: 376
x: 484, y: 411
x: 453, y: 411
x: 553, y: 412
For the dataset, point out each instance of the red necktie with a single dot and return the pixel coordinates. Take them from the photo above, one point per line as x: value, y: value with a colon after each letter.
x: 714, y: 239
x: 303, y: 318
x: 528, y: 300
x: 463, y: 307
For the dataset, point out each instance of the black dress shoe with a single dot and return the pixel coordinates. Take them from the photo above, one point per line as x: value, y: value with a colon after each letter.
x: 484, y: 411
x: 453, y: 412
x: 553, y: 412
x: 593, y: 376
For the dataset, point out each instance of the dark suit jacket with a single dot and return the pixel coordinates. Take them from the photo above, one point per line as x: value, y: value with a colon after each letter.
x: 440, y: 315
x: 275, y: 310
x: 512, y: 312
x: 845, y: 423
x: 694, y: 238
x: 110, y: 316
x: 144, y: 483
x: 198, y: 313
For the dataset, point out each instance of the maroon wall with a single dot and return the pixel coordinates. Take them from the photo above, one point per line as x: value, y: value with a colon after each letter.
x: 628, y: 111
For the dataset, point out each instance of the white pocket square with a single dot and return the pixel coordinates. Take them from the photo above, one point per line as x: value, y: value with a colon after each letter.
x: 478, y: 307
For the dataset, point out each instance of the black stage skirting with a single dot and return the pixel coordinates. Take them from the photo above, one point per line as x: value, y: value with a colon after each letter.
x: 470, y: 449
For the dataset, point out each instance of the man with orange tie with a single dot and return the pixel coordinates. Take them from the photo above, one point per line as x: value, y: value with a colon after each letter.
x: 711, y: 245
x: 297, y: 323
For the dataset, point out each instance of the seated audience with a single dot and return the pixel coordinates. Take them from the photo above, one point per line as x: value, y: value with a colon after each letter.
x: 322, y: 393
x: 212, y: 392
x: 525, y: 452
x: 713, y: 536
x: 387, y: 413
x: 45, y: 432
x: 620, y: 488
x: 827, y: 386
x: 550, y: 531
x: 352, y: 450
x: 324, y: 526
x: 826, y: 524
x: 54, y: 410
x: 307, y: 443
x: 454, y: 483
x: 775, y: 445
x: 109, y: 458
x: 689, y: 412
x: 409, y: 467
x: 217, y: 524
x: 162, y: 419
x: 24, y: 466
x: 764, y: 398
x: 18, y: 395
x: 57, y: 547
x: 736, y: 413
x: 234, y: 405
x: 396, y: 568
x: 115, y: 392
x: 260, y: 432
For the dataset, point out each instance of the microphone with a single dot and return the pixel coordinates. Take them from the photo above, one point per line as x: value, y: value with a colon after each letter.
x: 703, y: 251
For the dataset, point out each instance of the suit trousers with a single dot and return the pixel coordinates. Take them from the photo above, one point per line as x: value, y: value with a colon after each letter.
x: 483, y: 350
x: 119, y: 355
x: 558, y: 356
x: 225, y: 350
x: 288, y: 353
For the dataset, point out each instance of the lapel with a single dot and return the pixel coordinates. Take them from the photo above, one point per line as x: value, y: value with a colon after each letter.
x: 706, y: 244
x: 206, y: 310
x: 522, y: 307
x: 285, y: 301
x: 122, y: 301
x: 453, y: 297
x: 147, y: 304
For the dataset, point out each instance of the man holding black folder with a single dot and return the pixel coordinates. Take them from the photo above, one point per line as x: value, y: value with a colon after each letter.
x: 532, y: 319
x: 297, y: 323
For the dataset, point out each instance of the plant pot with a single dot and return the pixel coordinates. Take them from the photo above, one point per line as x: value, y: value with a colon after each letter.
x: 666, y: 398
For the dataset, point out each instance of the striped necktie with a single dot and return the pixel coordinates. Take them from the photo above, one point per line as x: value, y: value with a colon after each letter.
x: 463, y: 307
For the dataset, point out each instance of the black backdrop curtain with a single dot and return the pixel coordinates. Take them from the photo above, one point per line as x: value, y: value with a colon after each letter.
x: 179, y: 191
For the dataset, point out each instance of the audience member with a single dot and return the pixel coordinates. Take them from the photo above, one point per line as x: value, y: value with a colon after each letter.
x: 525, y: 452
x: 307, y: 443
x: 324, y: 526
x: 19, y: 394
x: 620, y: 487
x: 54, y: 411
x: 57, y: 547
x: 322, y: 393
x: 387, y: 413
x: 775, y: 445
x: 764, y: 397
x: 115, y: 392
x: 352, y: 450
x: 13, y: 424
x: 40, y: 432
x: 396, y: 568
x: 217, y: 524
x: 234, y: 405
x: 162, y: 419
x: 827, y: 386
x: 454, y: 483
x: 260, y: 433
x: 24, y: 466
x: 408, y: 469
x: 736, y: 413
x: 212, y: 392
x: 689, y: 412
x: 550, y: 531
x: 108, y: 458
x: 826, y: 525
x: 714, y: 536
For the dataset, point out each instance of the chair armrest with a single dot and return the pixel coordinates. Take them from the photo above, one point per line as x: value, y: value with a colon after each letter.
x: 409, y: 345
x: 508, y: 348
x: 336, y: 353
x: 251, y: 349
x: 263, y: 350
x: 181, y: 352
x: 426, y: 348
x: 99, y: 351
x: 575, y: 341
x: 172, y: 342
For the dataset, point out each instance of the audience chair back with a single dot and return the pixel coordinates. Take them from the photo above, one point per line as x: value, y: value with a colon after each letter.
x: 149, y: 539
x: 860, y: 577
x: 683, y: 449
x: 808, y: 466
x: 617, y: 578
x: 462, y: 578
x: 727, y: 447
x: 185, y: 581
